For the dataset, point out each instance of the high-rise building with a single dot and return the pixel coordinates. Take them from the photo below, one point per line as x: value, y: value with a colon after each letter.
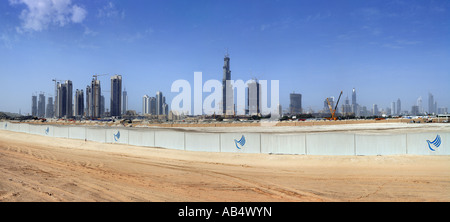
x: 152, y: 105
x: 49, y: 110
x: 102, y: 106
x: 419, y: 104
x: 431, y: 104
x: 96, y: 98
x: 254, y: 97
x: 354, y: 106
x: 116, y: 96
x: 89, y: 103
x: 443, y: 110
x: 295, y: 107
x: 64, y: 106
x: 399, y: 107
x: 145, y: 104
x: 375, y: 110
x: 159, y: 103
x: 415, y: 110
x: 41, y: 105
x: 34, y: 105
x: 61, y: 90
x: 280, y: 110
x: 69, y: 104
x: 393, y: 108
x: 79, y: 103
x: 124, y: 102
x: 165, y: 109
x: 227, y: 88
x: 346, y: 107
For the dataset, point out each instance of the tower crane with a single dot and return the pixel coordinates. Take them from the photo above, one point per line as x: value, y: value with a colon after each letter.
x: 333, y: 111
x: 95, y: 76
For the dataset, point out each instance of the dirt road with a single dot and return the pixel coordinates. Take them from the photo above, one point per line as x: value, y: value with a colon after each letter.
x: 38, y: 168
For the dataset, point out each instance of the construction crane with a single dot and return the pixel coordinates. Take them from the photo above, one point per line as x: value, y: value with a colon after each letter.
x: 333, y: 111
x: 95, y: 76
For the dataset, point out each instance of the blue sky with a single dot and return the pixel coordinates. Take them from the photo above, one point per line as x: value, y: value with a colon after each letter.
x: 385, y: 49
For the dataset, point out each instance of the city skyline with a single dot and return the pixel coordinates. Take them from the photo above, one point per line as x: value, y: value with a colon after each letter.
x: 386, y: 50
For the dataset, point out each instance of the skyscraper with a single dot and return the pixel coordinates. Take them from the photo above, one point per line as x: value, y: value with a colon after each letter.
x: 41, y: 105
x: 64, y: 107
x: 431, y: 104
x: 346, y: 108
x: 33, y: 105
x: 254, y: 97
x: 145, y: 104
x: 354, y: 106
x: 295, y: 107
x: 375, y: 110
x: 419, y: 104
x: 159, y: 103
x: 79, y: 103
x: 152, y: 105
x: 399, y: 107
x: 69, y: 104
x: 116, y: 95
x: 227, y: 88
x: 102, y: 105
x: 124, y: 102
x: 61, y: 90
x: 393, y: 108
x: 89, y: 104
x: 49, y: 111
x: 96, y: 98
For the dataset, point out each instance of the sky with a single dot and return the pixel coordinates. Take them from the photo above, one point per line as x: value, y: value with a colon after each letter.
x: 386, y: 50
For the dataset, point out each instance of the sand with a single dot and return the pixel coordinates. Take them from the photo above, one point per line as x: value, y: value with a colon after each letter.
x: 40, y: 169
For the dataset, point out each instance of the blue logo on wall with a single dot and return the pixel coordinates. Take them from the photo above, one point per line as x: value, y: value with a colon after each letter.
x: 117, y: 136
x: 46, y: 131
x: 240, y: 142
x: 436, y: 142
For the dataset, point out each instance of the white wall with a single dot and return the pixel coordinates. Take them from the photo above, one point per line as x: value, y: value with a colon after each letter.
x: 252, y: 142
x: 380, y: 144
x: 293, y: 143
x: 283, y: 143
x: 330, y: 144
x: 209, y: 142
x: 139, y: 137
x: 169, y: 139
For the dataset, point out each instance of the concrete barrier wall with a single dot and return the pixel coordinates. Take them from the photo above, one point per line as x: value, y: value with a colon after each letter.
x: 96, y: 134
x: 228, y: 142
x: 77, y: 132
x: 43, y: 130
x: 387, y: 144
x: 295, y: 143
x: 209, y: 142
x: 61, y: 131
x: 24, y: 128
x: 117, y: 135
x: 140, y: 137
x: 283, y: 143
x: 330, y: 144
x: 169, y: 139
x: 417, y: 143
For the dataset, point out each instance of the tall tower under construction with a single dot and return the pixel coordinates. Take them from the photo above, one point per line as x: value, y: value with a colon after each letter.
x: 116, y: 95
x: 227, y: 88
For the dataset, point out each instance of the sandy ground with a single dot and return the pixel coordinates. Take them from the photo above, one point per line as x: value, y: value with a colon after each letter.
x: 38, y: 168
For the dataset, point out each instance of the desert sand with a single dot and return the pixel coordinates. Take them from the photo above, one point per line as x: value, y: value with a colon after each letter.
x: 44, y: 169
